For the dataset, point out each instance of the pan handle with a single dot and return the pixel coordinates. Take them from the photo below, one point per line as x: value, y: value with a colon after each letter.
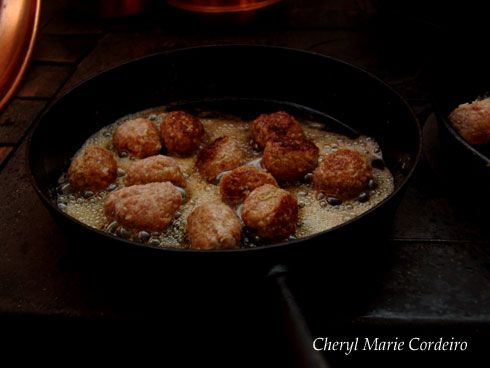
x: 299, y: 332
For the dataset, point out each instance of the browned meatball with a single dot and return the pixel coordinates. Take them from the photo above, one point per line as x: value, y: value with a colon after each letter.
x: 290, y: 159
x: 222, y: 155
x: 273, y: 126
x: 472, y: 121
x: 148, y: 207
x: 181, y: 132
x: 154, y: 169
x: 343, y: 174
x: 93, y: 170
x: 238, y: 183
x: 213, y: 225
x: 270, y: 212
x: 139, y: 137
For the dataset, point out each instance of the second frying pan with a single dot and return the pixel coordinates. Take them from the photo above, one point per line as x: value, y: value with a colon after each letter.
x: 461, y: 77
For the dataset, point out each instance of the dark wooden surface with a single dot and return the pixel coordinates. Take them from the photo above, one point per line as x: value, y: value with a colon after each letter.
x: 433, y: 278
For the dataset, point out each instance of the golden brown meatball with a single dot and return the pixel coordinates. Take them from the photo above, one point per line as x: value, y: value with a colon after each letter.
x: 472, y: 121
x: 235, y: 185
x: 273, y: 126
x: 181, y: 132
x: 343, y: 174
x: 149, y: 207
x: 213, y: 225
x: 154, y: 169
x: 270, y: 212
x: 139, y: 137
x: 290, y: 159
x: 95, y: 169
x: 222, y: 155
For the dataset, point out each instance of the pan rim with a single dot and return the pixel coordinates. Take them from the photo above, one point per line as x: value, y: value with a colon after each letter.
x: 266, y: 248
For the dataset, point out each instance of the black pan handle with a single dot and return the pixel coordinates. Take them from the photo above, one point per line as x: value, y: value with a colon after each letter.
x: 299, y: 332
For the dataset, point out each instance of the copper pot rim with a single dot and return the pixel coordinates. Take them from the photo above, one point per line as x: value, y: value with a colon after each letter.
x: 19, y: 21
x: 213, y: 7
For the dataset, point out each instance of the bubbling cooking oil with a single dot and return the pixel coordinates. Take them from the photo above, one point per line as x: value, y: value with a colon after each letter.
x: 316, y: 213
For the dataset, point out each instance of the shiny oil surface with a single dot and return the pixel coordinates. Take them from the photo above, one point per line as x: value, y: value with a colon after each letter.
x: 316, y: 213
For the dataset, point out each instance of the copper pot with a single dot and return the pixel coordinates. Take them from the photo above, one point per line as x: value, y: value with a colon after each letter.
x: 18, y: 29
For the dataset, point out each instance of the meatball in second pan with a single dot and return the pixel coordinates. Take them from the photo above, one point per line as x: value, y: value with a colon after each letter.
x: 149, y: 207
x: 181, y: 132
x: 235, y: 185
x: 273, y: 126
x: 270, y: 212
x: 214, y: 225
x: 139, y: 137
x: 343, y: 174
x: 222, y: 155
x: 472, y: 121
x: 154, y: 169
x: 290, y: 159
x: 95, y: 169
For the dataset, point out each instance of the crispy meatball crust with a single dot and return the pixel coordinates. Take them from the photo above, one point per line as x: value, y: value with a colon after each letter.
x: 214, y: 225
x: 181, y: 132
x: 343, y: 174
x: 472, y: 121
x: 139, y: 137
x: 270, y: 212
x: 235, y: 185
x: 154, y: 169
x: 222, y: 155
x: 290, y: 159
x: 273, y: 126
x: 148, y: 207
x: 95, y: 169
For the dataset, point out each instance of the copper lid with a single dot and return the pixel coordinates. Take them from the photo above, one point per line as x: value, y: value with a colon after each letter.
x: 18, y: 28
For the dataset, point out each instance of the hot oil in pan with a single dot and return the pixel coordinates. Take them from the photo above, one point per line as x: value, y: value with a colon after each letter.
x: 316, y: 212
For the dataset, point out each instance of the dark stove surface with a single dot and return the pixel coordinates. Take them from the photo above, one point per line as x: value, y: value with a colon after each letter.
x: 429, y: 278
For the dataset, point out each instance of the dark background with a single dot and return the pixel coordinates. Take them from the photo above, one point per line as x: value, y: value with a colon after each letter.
x: 426, y: 275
